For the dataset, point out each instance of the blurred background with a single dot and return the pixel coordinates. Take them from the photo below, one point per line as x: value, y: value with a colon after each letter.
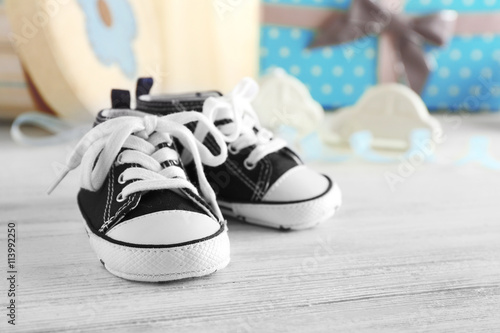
x: 415, y: 246
x: 64, y: 56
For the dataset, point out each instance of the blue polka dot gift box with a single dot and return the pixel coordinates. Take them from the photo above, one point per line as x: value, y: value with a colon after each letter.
x: 446, y: 50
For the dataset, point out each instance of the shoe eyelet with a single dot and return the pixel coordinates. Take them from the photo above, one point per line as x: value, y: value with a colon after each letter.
x: 248, y: 165
x: 121, y: 180
x: 119, y: 159
x: 120, y: 197
x: 232, y: 150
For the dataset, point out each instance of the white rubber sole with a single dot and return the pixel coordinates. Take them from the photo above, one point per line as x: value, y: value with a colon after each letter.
x: 289, y: 216
x: 160, y: 264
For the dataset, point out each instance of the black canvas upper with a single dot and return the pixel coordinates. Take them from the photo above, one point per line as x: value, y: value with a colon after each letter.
x: 102, y: 211
x: 232, y: 181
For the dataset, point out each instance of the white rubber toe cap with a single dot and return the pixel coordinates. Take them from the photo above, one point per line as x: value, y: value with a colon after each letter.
x: 299, y: 183
x: 165, y: 228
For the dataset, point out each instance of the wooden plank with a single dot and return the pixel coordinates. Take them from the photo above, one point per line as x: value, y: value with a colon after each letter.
x: 424, y: 258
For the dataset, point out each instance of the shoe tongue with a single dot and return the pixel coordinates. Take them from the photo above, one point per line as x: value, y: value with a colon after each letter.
x: 174, y: 158
x: 185, y: 193
x: 108, y: 114
x: 170, y: 103
x: 224, y: 116
x: 220, y: 112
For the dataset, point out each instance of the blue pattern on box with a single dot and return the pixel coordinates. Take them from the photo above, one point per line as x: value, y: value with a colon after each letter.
x: 461, y: 6
x: 327, y: 72
x: 411, y: 6
x: 339, y: 4
x: 467, y: 75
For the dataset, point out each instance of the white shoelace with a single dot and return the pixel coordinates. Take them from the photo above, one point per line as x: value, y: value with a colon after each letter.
x: 141, y: 135
x: 61, y: 130
x: 240, y: 132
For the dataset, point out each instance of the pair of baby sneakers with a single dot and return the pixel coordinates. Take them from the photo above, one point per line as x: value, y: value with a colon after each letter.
x: 158, y: 181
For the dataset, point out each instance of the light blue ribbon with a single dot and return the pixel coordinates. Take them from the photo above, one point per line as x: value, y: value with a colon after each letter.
x: 479, y: 153
x: 62, y: 131
x: 361, y: 145
x: 418, y: 138
x: 313, y: 149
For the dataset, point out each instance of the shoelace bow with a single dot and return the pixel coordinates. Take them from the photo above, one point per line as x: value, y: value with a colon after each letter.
x: 240, y: 132
x: 141, y: 137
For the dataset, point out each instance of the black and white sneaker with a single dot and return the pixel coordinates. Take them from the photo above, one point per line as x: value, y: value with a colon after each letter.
x: 146, y: 221
x: 262, y: 181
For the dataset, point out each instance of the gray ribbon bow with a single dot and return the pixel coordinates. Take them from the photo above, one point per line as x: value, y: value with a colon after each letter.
x: 368, y: 17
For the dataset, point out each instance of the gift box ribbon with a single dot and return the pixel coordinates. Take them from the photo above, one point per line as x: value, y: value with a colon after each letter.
x: 401, y: 37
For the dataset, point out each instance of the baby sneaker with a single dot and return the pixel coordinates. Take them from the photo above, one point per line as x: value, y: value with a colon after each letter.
x: 262, y: 181
x: 146, y: 221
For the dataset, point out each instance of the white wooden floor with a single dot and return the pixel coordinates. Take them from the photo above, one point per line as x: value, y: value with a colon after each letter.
x: 424, y: 258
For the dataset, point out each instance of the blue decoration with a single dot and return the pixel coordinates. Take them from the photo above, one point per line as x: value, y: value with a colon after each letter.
x: 466, y: 75
x: 479, y: 153
x: 112, y: 44
x: 361, y: 145
x: 411, y: 6
x: 311, y: 147
x: 419, y: 138
x: 314, y: 150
